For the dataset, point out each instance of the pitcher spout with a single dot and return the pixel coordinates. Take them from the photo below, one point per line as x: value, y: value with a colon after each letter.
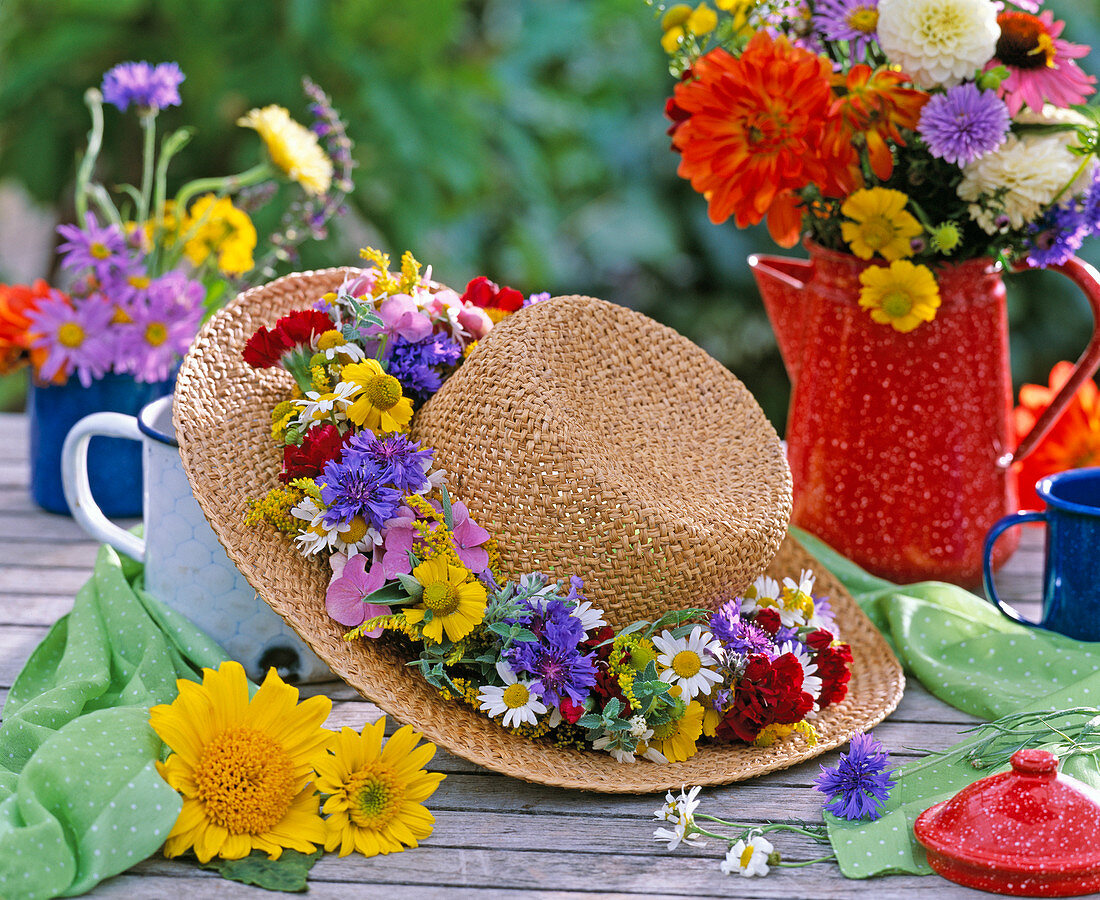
x: 782, y: 284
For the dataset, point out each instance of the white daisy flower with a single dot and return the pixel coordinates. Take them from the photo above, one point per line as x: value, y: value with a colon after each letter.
x: 763, y: 592
x: 686, y: 661
x: 680, y: 809
x: 356, y: 536
x: 652, y: 754
x: 749, y: 859
x: 321, y: 407
x: 938, y: 42
x: 612, y: 743
x: 349, y: 350
x: 804, y: 585
x: 316, y: 537
x: 591, y: 616
x: 514, y: 700
x: 678, y: 835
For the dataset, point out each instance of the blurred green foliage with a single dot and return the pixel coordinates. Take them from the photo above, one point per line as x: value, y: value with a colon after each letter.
x: 522, y: 139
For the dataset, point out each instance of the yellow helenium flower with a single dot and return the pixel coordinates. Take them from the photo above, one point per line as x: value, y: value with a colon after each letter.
x: 675, y: 739
x: 902, y: 295
x: 376, y: 793
x: 380, y: 406
x: 881, y: 224
x: 457, y: 604
x: 215, y: 226
x: 243, y: 766
x: 293, y: 148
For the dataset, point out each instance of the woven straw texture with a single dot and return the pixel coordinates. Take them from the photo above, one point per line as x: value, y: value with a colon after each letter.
x: 222, y: 423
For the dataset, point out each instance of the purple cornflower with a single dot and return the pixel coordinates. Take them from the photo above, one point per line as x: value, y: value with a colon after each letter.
x: 737, y: 635
x: 1056, y: 236
x: 76, y: 338
x: 859, y: 784
x: 163, y: 322
x: 964, y: 123
x: 553, y: 658
x: 854, y: 21
x: 101, y: 249
x: 1091, y: 206
x: 150, y: 88
x: 418, y: 365
x: 400, y: 462
x: 357, y: 489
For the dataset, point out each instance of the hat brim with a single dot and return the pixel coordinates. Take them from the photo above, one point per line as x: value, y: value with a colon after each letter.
x: 221, y: 413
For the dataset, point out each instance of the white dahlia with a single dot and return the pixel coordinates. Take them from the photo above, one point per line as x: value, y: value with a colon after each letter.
x: 938, y: 42
x: 1030, y: 170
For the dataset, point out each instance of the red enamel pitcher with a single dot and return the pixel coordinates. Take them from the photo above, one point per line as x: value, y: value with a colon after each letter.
x: 901, y: 445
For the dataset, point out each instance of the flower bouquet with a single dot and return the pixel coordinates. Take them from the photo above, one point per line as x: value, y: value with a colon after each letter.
x: 409, y: 561
x: 920, y: 147
x: 140, y: 275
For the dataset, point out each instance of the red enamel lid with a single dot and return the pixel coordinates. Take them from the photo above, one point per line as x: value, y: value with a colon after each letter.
x: 1031, y: 832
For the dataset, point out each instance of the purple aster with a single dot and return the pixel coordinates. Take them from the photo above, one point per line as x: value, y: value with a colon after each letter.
x: 859, y: 784
x: 163, y: 322
x: 357, y: 489
x: 1091, y: 206
x: 853, y: 21
x: 101, y: 249
x: 1057, y: 236
x: 400, y: 462
x: 150, y: 88
x: 76, y: 338
x: 964, y: 123
x: 419, y: 365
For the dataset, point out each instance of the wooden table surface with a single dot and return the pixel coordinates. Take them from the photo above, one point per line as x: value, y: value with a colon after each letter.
x: 495, y: 837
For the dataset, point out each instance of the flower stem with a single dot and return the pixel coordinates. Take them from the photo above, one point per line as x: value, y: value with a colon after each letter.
x: 809, y: 862
x: 227, y: 184
x: 149, y: 130
x: 94, y: 101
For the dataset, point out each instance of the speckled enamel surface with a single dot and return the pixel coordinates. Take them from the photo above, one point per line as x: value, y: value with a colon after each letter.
x: 893, y: 439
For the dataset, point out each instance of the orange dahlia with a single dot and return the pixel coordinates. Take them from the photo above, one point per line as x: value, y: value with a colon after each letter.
x: 874, y: 104
x: 1072, y: 443
x: 757, y: 129
x: 15, y: 340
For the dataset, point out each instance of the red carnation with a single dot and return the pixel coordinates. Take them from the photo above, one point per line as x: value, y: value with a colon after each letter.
x: 266, y: 348
x: 571, y: 711
x: 833, y: 669
x: 300, y: 326
x: 770, y: 692
x: 486, y: 294
x: 768, y: 619
x: 319, y: 446
x: 819, y: 639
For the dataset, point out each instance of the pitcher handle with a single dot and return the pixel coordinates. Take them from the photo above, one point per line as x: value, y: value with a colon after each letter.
x: 78, y: 491
x: 1000, y: 526
x: 1088, y: 280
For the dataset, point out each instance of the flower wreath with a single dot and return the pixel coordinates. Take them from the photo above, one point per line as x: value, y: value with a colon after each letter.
x: 409, y: 559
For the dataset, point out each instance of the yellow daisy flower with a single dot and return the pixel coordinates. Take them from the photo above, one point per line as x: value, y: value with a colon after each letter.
x: 381, y: 406
x: 293, y: 148
x: 675, y: 739
x: 215, y: 226
x: 243, y: 766
x: 881, y: 224
x: 376, y: 793
x: 902, y: 295
x: 457, y: 603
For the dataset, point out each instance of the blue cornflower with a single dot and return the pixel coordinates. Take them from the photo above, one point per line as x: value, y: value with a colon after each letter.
x: 418, y: 365
x: 1057, y: 236
x: 725, y: 619
x: 150, y: 88
x: 401, y: 462
x: 859, y: 784
x: 357, y: 489
x: 737, y: 635
x: 553, y: 657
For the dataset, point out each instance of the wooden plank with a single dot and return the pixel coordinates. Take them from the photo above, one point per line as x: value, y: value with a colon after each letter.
x: 48, y: 554
x: 34, y: 609
x: 16, y: 644
x: 33, y: 579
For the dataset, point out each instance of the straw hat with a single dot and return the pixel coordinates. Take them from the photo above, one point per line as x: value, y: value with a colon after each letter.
x: 589, y: 440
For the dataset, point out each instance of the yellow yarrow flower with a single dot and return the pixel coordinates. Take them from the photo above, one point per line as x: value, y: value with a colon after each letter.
x: 215, y: 227
x: 901, y: 295
x: 675, y: 739
x: 881, y: 224
x: 242, y: 766
x: 293, y: 148
x: 376, y: 792
x: 457, y: 602
x: 380, y: 406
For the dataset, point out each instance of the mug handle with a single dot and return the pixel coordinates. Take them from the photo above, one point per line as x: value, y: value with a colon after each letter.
x: 75, y: 482
x: 1000, y: 526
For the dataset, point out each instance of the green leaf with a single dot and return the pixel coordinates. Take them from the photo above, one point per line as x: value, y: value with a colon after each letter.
x: 412, y: 587
x: 448, y: 515
x: 287, y: 873
x: 390, y: 594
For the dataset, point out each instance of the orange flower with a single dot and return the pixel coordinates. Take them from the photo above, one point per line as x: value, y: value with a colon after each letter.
x: 875, y: 105
x: 757, y: 129
x: 15, y: 340
x: 1072, y: 443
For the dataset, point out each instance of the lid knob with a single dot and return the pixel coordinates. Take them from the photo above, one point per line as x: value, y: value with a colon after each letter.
x: 1034, y: 762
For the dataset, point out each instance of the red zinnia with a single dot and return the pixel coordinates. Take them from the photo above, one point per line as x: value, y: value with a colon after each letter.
x: 833, y: 670
x: 759, y: 129
x: 769, y: 692
x: 318, y: 447
x: 768, y: 619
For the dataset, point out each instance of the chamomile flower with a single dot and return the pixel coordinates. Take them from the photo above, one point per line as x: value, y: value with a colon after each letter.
x: 764, y: 591
x: 314, y: 537
x: 591, y: 616
x: 329, y: 406
x: 748, y: 859
x: 515, y: 700
x: 688, y: 661
x: 679, y: 809
x: 334, y: 346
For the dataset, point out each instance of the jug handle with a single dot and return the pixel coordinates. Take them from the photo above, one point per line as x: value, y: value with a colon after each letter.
x: 1088, y: 280
x: 999, y: 527
x: 78, y: 490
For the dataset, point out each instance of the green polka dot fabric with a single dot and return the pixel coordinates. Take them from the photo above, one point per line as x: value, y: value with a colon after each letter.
x: 80, y: 797
x: 970, y: 656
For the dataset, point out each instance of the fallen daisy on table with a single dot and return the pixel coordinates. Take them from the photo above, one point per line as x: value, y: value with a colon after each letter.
x: 749, y: 859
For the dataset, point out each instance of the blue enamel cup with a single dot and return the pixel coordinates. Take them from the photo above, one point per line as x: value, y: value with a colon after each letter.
x: 1071, y: 570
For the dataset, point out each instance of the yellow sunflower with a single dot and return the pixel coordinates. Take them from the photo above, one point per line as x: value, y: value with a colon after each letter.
x: 675, y: 739
x: 293, y: 148
x: 902, y: 295
x: 881, y: 224
x: 381, y: 406
x: 376, y: 793
x: 457, y: 603
x: 243, y: 766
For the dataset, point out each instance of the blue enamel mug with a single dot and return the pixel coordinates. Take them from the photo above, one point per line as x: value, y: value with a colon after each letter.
x: 1071, y: 569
